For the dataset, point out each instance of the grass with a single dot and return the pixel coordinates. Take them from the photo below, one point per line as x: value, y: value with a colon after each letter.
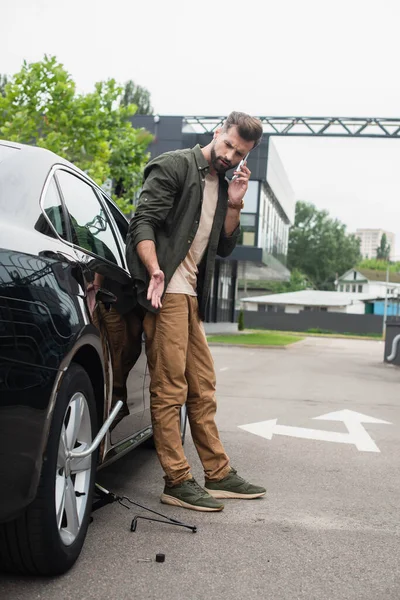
x: 267, y: 338
x: 345, y: 333
x: 316, y: 332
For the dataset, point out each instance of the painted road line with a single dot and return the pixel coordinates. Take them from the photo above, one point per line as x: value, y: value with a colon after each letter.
x: 357, y: 435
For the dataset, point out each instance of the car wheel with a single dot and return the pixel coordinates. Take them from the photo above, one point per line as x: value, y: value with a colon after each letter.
x: 48, y: 538
x: 149, y: 443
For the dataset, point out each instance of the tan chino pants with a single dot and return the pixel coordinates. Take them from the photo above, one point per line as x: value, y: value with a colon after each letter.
x: 182, y: 370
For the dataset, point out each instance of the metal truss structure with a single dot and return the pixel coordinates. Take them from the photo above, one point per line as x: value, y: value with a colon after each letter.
x: 368, y: 127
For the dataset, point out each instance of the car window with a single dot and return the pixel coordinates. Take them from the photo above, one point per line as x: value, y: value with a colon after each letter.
x: 90, y: 226
x: 119, y: 219
x: 52, y: 207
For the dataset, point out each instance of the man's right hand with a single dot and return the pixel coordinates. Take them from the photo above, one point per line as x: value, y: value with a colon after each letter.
x: 156, y: 288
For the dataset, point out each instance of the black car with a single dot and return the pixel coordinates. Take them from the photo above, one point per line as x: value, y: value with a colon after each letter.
x: 70, y: 355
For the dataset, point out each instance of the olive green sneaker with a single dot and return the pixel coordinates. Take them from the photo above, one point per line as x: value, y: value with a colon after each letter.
x: 189, y: 494
x: 233, y: 486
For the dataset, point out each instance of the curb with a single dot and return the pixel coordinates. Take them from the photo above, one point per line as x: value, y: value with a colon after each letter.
x: 263, y: 347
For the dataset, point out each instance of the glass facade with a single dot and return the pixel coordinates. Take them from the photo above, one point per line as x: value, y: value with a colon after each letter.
x: 273, y: 226
x: 249, y: 216
x: 220, y: 307
x: 263, y: 222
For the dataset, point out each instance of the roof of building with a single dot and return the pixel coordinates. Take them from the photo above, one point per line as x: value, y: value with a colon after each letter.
x: 312, y: 298
x: 372, y: 275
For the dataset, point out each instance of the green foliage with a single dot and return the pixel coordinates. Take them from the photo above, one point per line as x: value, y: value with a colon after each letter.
x: 320, y: 247
x: 298, y: 281
x: 375, y: 264
x: 135, y: 94
x: 383, y: 250
x: 40, y: 106
x: 241, y: 321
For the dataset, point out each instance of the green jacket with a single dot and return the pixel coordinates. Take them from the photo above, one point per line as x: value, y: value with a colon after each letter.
x: 168, y: 212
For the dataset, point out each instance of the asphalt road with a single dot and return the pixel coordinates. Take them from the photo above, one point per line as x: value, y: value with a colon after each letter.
x: 328, y: 528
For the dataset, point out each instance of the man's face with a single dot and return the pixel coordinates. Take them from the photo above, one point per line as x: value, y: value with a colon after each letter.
x: 228, y: 149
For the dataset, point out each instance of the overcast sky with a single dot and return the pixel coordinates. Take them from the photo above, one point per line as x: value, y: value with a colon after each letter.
x: 284, y: 57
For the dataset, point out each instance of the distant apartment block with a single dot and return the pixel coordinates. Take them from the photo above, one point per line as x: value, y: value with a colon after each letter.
x: 371, y: 239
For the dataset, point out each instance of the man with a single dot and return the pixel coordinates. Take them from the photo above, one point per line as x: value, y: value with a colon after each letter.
x: 188, y: 213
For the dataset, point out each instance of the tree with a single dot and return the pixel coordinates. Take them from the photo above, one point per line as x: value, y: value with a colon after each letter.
x: 320, y: 247
x: 374, y: 264
x: 298, y: 281
x: 3, y: 83
x: 135, y: 94
x: 383, y: 250
x: 40, y: 106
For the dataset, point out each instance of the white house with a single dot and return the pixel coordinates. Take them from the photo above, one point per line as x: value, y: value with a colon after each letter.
x: 368, y: 281
x: 309, y: 300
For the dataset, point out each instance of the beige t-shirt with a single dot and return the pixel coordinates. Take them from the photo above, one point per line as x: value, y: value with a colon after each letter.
x: 184, y: 280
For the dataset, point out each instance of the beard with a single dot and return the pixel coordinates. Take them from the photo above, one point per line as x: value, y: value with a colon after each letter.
x: 217, y: 163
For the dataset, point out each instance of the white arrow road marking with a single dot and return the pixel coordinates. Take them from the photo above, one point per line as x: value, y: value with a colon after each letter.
x: 356, y: 435
x: 353, y: 421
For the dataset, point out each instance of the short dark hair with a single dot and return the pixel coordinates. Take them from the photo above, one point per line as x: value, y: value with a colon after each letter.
x: 249, y: 128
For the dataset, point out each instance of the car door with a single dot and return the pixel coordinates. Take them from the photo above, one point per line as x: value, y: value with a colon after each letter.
x: 109, y: 295
x: 141, y: 368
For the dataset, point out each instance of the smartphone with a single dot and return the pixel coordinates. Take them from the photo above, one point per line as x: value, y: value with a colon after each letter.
x: 240, y: 165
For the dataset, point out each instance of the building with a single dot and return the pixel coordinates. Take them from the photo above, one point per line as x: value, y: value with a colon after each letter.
x: 368, y: 281
x: 265, y: 221
x: 371, y: 239
x: 308, y: 300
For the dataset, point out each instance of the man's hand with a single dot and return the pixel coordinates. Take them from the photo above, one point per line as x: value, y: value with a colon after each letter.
x: 156, y: 288
x: 238, y: 187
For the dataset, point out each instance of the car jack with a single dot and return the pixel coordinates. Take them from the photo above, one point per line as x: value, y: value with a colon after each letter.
x: 107, y: 497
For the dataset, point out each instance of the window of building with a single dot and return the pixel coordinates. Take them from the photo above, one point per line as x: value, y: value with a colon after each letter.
x: 360, y: 289
x: 90, y: 226
x: 324, y: 309
x: 353, y: 288
x: 354, y: 275
x: 248, y: 238
x: 251, y: 197
x: 247, y: 220
x: 261, y: 307
x: 248, y: 229
x: 347, y: 288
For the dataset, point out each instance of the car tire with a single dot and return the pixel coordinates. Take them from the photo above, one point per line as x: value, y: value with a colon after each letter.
x: 149, y: 443
x: 48, y: 537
